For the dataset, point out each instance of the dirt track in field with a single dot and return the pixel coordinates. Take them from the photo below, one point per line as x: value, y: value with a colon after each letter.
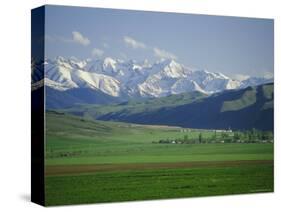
x: 79, y: 169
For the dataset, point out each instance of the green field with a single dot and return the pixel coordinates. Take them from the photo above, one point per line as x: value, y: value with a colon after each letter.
x: 95, y: 161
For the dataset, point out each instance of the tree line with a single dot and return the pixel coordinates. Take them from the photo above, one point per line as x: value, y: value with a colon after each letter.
x: 248, y: 136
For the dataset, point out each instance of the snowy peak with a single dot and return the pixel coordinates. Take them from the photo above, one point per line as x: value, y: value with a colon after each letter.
x: 109, y: 62
x: 106, y: 84
x: 119, y: 78
x: 255, y: 81
x: 184, y: 84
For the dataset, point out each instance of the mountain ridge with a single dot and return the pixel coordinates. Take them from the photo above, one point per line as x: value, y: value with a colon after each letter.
x: 242, y: 109
x: 254, y: 111
x: 132, y: 79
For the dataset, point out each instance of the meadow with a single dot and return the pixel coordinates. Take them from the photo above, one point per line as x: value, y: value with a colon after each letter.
x: 100, y: 161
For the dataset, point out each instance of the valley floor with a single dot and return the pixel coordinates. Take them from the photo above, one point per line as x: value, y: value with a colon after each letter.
x: 92, y: 161
x: 81, y: 169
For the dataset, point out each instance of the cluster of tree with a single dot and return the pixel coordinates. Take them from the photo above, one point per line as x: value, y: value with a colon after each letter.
x: 53, y: 154
x: 249, y: 136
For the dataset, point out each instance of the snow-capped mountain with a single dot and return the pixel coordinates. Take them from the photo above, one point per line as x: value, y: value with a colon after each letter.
x: 255, y: 81
x: 63, y: 74
x: 120, y: 78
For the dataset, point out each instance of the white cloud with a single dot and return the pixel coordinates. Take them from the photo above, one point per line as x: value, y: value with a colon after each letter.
x: 163, y: 54
x: 160, y: 53
x: 97, y: 52
x: 133, y: 43
x: 77, y: 37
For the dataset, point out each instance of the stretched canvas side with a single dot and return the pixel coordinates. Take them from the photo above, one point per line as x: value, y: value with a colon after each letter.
x: 37, y: 106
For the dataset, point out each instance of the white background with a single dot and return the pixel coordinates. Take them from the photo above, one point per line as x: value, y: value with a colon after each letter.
x: 15, y: 104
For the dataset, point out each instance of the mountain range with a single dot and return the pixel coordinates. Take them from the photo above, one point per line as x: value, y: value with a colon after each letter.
x: 70, y: 81
x: 242, y: 109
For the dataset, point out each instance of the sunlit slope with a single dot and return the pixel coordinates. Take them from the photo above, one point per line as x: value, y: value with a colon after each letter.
x: 247, y: 108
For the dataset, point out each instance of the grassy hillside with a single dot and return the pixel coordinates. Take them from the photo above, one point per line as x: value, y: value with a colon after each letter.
x: 56, y: 99
x: 248, y: 98
x: 237, y: 109
x: 132, y: 107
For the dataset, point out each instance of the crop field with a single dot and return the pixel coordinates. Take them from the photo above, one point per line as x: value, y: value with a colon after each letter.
x: 101, y: 161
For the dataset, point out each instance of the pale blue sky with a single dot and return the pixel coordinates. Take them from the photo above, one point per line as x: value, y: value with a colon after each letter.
x: 230, y: 45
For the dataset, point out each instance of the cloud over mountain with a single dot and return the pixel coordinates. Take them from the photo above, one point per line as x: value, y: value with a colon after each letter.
x: 80, y: 39
x: 131, y: 42
x: 163, y: 54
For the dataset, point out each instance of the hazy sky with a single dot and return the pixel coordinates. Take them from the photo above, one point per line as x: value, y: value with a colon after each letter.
x: 229, y: 45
